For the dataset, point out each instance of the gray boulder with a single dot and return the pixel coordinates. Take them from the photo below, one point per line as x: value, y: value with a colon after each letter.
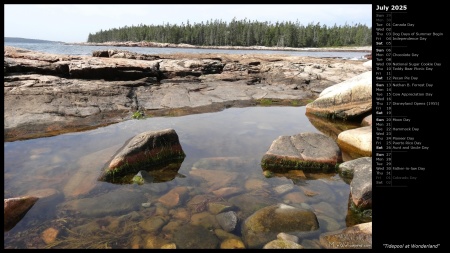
x: 347, y: 169
x: 361, y: 187
x: 346, y: 100
x: 311, y: 152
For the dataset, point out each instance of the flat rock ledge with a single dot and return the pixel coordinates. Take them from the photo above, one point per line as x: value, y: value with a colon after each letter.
x: 310, y: 152
x: 50, y: 94
x: 144, y: 151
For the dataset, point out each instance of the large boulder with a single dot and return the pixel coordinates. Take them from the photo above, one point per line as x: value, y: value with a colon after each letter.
x: 356, y: 142
x: 311, y: 152
x: 346, y: 100
x: 148, y: 150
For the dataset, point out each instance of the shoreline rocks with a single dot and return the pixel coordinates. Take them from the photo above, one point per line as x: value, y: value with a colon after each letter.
x: 183, y: 45
x: 49, y: 94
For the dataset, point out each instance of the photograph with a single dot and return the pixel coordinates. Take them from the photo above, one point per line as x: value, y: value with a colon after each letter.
x: 208, y: 126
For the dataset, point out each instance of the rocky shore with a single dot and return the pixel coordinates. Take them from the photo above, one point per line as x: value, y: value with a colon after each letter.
x: 367, y: 49
x: 48, y: 94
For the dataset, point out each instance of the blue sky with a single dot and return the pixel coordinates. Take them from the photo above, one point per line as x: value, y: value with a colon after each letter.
x: 74, y: 22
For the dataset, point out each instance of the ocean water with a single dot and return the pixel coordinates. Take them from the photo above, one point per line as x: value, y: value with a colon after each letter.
x: 60, y: 48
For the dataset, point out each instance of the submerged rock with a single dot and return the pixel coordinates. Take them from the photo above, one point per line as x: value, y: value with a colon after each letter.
x: 356, y: 237
x: 265, y: 224
x: 166, y: 174
x: 232, y: 243
x: 195, y: 237
x: 117, y: 202
x: 174, y: 197
x: 227, y: 220
x: 282, y: 244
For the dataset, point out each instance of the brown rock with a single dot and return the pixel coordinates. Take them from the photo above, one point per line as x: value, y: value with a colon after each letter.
x: 173, y: 197
x: 49, y: 235
x: 227, y: 191
x: 232, y: 243
x: 144, y: 149
x: 15, y: 209
x: 215, y: 179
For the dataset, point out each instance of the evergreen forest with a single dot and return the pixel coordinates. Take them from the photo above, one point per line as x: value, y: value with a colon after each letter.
x: 242, y: 33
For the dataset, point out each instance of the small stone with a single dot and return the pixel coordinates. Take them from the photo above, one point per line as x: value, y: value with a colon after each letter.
x: 49, y: 235
x: 146, y: 204
x: 232, y: 243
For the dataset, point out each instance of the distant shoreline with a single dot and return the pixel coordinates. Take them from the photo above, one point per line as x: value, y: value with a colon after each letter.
x: 25, y: 40
x: 367, y: 49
